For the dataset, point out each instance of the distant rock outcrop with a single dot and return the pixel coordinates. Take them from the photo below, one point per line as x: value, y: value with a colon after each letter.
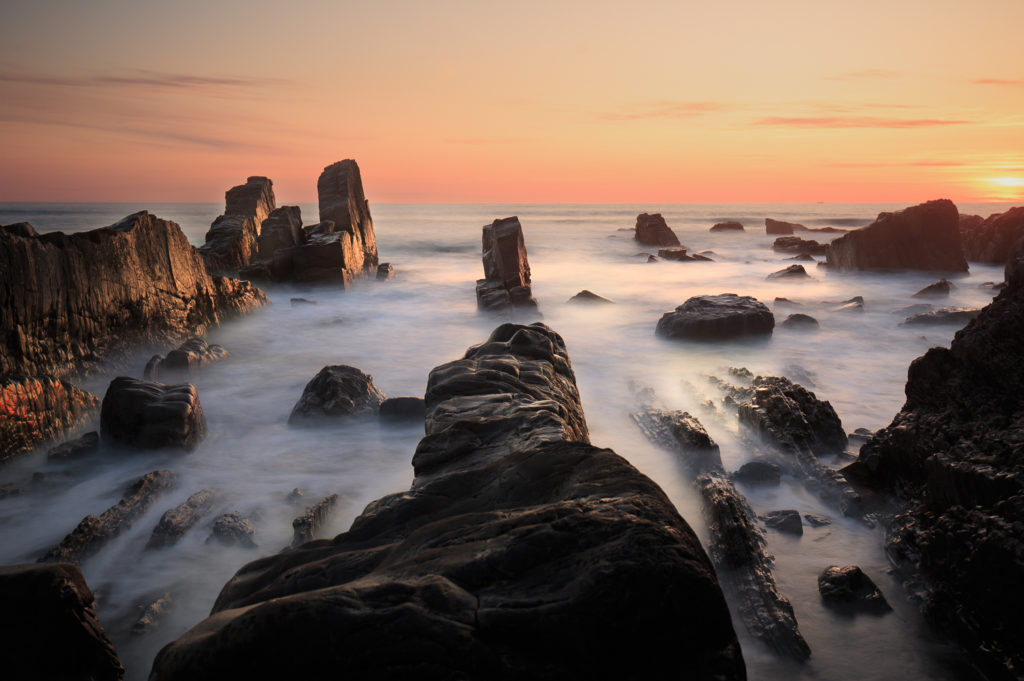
x: 714, y: 317
x: 506, y: 282
x: 794, y: 244
x: 34, y: 409
x: 780, y: 227
x: 231, y: 241
x: 651, y: 230
x: 923, y: 237
x: 990, y: 240
x: 521, y: 551
x: 728, y: 226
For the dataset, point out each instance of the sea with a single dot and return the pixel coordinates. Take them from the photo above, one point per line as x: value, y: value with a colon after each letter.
x: 398, y: 330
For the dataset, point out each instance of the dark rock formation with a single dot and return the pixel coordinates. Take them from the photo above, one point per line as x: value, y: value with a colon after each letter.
x: 759, y: 473
x: 49, y: 628
x: 342, y: 202
x: 787, y: 521
x: 651, y: 230
x: 713, y: 317
x: 232, y: 239
x: 942, y: 315
x: 791, y: 272
x: 849, y: 586
x: 403, y: 409
x: 175, y: 522
x: 78, y: 448
x: 281, y: 230
x: 953, y: 454
x: 780, y: 227
x: 189, y: 356
x: 35, y: 409
x: 336, y: 391
x: 506, y: 282
x: 94, y: 532
x: 149, y: 620
x: 308, y: 526
x: 521, y: 551
x: 923, y: 237
x: 800, y: 321
x: 68, y: 302
x: 233, y: 529
x: 992, y: 239
x: 794, y: 244
x: 586, y: 297
x: 148, y: 415
x: 677, y: 254
x: 728, y: 226
x: 815, y: 520
x: 385, y: 272
x: 803, y: 257
x: 939, y: 289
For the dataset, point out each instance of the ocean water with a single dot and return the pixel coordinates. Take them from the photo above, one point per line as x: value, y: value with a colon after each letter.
x: 398, y: 330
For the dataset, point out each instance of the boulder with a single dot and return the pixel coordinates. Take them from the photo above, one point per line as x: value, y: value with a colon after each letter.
x: 780, y: 227
x: 759, y: 472
x: 506, y: 282
x: 794, y: 244
x: 336, y: 391
x: 651, y: 230
x: 34, y: 409
x: 403, y: 409
x: 586, y: 297
x: 385, y: 272
x: 787, y: 522
x: 233, y: 529
x: 715, y: 317
x: 175, y: 522
x: 147, y: 415
x: 681, y: 432
x: 69, y: 302
x: 942, y: 315
x: 281, y: 230
x: 232, y: 239
x: 800, y: 321
x: 990, y: 240
x: 79, y: 448
x: 186, y: 358
x: 50, y: 629
x: 95, y: 532
x: 923, y: 237
x: 939, y: 289
x: 849, y: 586
x: 791, y: 272
x: 514, y: 555
x: 678, y: 254
x: 728, y: 226
x: 342, y: 202
x: 309, y: 525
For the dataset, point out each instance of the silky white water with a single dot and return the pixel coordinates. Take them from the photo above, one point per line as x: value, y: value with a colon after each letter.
x: 398, y: 330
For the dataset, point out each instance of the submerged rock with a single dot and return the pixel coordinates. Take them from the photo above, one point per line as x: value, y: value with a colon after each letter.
x: 787, y: 521
x: 800, y: 321
x: 728, y: 226
x: 794, y: 244
x: 677, y: 254
x: 849, y: 586
x: 232, y: 239
x: 385, y: 272
x: 780, y: 227
x: 942, y: 315
x: 34, y: 409
x: 586, y: 297
x: 50, y: 629
x: 175, y: 522
x: 923, y: 237
x: 336, y: 391
x: 513, y: 555
x: 148, y: 415
x: 506, y: 282
x: 651, y: 230
x: 939, y: 289
x: 715, y: 317
x: 149, y: 620
x: 78, y: 448
x: 791, y: 272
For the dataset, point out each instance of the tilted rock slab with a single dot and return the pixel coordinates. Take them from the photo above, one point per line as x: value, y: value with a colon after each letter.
x: 231, y: 241
x: 521, y: 551
x: 506, y: 283
x: 34, y: 409
x: 342, y: 202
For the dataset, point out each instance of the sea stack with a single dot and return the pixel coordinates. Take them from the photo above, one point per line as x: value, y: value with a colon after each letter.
x: 506, y: 283
x: 231, y: 241
x: 342, y: 202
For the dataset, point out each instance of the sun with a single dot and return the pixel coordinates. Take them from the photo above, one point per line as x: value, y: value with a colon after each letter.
x: 1007, y: 181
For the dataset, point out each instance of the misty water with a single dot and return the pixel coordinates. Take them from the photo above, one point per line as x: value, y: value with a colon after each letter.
x: 398, y: 330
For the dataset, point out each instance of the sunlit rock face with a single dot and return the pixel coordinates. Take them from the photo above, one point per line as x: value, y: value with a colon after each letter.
x: 34, y: 409
x: 342, y: 202
x: 231, y: 241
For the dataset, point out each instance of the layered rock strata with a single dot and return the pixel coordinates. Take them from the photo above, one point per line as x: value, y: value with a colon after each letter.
x: 34, y: 409
x: 232, y: 239
x: 506, y: 283
x: 521, y: 551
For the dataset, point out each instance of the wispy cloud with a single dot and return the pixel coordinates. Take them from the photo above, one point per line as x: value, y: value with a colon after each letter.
x: 664, y: 109
x: 900, y: 164
x: 863, y: 74
x: 998, y: 81
x: 135, y: 78
x: 836, y: 122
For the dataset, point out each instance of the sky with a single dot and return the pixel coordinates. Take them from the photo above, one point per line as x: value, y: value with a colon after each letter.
x: 574, y: 101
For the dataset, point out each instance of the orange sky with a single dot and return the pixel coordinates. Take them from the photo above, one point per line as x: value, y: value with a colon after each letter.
x: 794, y: 100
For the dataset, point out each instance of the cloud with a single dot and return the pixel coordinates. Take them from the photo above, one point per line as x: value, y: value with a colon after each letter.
x: 665, y: 110
x: 836, y: 122
x: 901, y: 164
x: 135, y: 78
x: 998, y: 81
x: 863, y: 74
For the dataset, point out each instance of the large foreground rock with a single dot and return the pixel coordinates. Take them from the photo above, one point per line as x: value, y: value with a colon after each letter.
x: 49, y: 628
x: 68, y: 302
x: 991, y: 240
x: 923, y: 237
x: 651, y: 230
x: 521, y: 551
x: 714, y: 317
x: 35, y: 409
x: 954, y: 455
x: 506, y: 282
x: 231, y: 241
x: 148, y: 415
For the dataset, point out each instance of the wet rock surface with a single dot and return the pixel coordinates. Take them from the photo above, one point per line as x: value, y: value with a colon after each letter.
x: 922, y: 237
x: 232, y: 239
x: 759, y: 473
x: 651, y: 230
x: 849, y: 586
x: 714, y: 317
x: 35, y: 409
x: 175, y: 522
x: 148, y: 415
x: 49, y: 629
x: 506, y: 283
x: 336, y: 391
x: 521, y: 551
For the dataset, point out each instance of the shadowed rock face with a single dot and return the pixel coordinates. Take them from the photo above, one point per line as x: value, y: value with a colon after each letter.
x: 335, y: 392
x: 954, y: 453
x: 506, y: 282
x: 531, y: 554
x: 231, y: 241
x: 282, y: 229
x: 340, y: 192
x: 726, y: 315
x: 991, y: 240
x: 149, y: 415
x: 35, y: 409
x: 923, y: 237
x: 651, y: 230
x: 68, y: 302
x: 49, y: 628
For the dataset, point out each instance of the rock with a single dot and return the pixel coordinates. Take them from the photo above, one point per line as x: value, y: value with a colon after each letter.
x: 307, y: 526
x: 759, y: 472
x: 232, y: 239
x: 855, y: 304
x: 79, y: 448
x: 786, y: 302
x: 805, y: 257
x: 50, y: 629
x: 729, y: 226
x: 815, y: 520
x: 791, y: 272
x: 175, y: 522
x: 94, y: 532
x: 586, y: 297
x: 514, y: 554
x: 336, y: 391
x: 506, y: 282
x: 779, y: 227
x: 34, y: 409
x: 403, y: 409
x: 923, y: 237
x: 952, y: 455
x: 701, y: 257
x: 340, y: 191
x: 147, y: 415
x: 939, y: 289
x: 279, y: 231
x: 715, y: 317
x: 742, y: 373
x: 992, y: 239
x: 849, y: 585
x: 942, y: 315
x: 651, y: 230
x: 385, y: 272
x: 186, y: 358
x: 800, y: 321
x: 678, y: 254
x: 24, y: 229
x: 794, y: 244
x: 233, y: 529
x: 298, y: 302
x: 910, y: 310
x: 69, y: 302
x: 680, y: 432
x: 149, y: 620
x: 787, y: 522
x: 652, y: 258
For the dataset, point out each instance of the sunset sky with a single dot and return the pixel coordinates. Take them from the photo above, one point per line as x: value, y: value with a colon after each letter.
x: 589, y: 101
